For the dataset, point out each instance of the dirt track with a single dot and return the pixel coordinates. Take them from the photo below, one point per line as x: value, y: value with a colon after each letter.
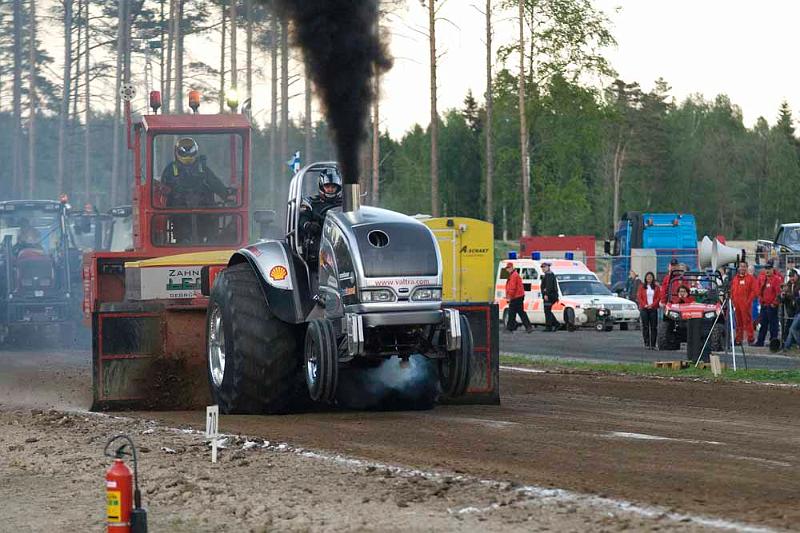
x: 729, y: 451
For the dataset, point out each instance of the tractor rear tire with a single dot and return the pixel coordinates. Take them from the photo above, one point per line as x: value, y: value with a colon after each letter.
x: 321, y: 360
x: 260, y: 370
x: 454, y: 368
x: 665, y: 337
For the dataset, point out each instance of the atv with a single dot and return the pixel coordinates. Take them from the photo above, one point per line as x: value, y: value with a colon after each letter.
x: 692, y: 320
x: 286, y: 318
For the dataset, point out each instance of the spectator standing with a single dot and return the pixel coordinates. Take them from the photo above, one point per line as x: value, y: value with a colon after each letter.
x: 789, y: 296
x: 632, y: 286
x: 648, y: 297
x: 755, y: 309
x: 793, y: 334
x: 550, y: 297
x: 674, y: 266
x: 515, y: 294
x: 769, y: 286
x: 743, y: 292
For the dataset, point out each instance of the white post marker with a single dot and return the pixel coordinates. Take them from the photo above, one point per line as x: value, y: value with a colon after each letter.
x: 212, y: 429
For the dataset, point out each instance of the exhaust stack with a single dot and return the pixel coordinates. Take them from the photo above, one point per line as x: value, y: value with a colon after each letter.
x: 352, y: 197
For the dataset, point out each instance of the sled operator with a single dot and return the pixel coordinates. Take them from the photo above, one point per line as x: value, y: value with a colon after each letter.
x: 191, y: 184
x: 190, y: 181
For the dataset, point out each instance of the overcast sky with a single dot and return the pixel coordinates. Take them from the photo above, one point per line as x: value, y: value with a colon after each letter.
x: 735, y: 47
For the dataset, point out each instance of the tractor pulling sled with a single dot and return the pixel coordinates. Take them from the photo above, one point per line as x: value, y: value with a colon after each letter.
x: 280, y: 319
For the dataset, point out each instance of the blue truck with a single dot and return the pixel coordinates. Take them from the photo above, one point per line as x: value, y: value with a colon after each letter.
x: 671, y: 235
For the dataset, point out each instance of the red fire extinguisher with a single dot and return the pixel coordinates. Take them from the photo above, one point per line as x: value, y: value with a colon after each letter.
x: 124, y: 513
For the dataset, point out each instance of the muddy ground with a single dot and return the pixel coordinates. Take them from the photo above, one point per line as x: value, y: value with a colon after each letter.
x: 563, y: 452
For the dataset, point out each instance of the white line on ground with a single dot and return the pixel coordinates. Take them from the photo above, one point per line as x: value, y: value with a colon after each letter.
x: 520, y: 369
x: 769, y: 462
x: 645, y: 436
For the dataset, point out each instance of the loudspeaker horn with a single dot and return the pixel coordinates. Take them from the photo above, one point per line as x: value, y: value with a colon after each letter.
x: 722, y: 254
x: 704, y: 252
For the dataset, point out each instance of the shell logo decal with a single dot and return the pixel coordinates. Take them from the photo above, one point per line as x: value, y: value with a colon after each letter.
x: 278, y: 273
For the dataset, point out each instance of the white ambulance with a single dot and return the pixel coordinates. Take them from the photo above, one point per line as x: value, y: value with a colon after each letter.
x: 583, y: 300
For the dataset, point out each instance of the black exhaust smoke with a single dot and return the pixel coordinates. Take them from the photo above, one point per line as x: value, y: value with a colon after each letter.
x: 343, y: 48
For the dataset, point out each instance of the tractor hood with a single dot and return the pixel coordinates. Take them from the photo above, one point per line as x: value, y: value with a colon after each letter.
x: 385, y: 244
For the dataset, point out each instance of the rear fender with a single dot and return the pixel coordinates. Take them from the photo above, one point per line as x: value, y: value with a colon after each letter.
x: 283, y: 276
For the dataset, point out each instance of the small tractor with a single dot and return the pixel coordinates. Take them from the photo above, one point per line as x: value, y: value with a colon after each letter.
x: 286, y: 312
x: 696, y: 317
x: 39, y: 271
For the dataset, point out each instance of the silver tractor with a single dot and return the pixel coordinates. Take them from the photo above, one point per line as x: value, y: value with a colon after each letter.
x: 284, y: 317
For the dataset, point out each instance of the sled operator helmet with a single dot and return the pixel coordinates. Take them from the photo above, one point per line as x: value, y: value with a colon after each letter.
x: 186, y: 150
x: 330, y: 184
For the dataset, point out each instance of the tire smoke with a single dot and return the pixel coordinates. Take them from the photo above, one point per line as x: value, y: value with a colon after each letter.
x: 342, y: 45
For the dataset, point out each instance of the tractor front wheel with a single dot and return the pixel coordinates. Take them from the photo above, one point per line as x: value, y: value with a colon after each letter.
x: 321, y: 360
x: 251, y: 354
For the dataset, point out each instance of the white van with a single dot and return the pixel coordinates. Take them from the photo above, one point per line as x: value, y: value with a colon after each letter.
x: 583, y: 300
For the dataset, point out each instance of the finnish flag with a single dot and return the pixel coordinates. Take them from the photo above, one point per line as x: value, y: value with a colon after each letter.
x: 294, y: 163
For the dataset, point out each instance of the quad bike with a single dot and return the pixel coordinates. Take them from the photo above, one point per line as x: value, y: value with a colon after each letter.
x: 692, y: 322
x: 285, y: 319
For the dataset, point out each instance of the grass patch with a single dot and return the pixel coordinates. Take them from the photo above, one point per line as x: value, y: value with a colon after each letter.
x: 644, y: 369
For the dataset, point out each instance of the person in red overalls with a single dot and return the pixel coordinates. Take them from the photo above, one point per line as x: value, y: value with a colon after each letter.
x: 515, y: 294
x: 666, y: 289
x: 743, y: 291
x: 769, y: 290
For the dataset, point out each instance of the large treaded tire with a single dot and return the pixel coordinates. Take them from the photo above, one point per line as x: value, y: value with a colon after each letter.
x: 321, y: 350
x: 262, y: 365
x: 454, y: 369
x: 665, y: 339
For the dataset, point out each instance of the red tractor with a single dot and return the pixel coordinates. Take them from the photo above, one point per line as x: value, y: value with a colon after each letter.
x: 692, y: 314
x: 145, y: 303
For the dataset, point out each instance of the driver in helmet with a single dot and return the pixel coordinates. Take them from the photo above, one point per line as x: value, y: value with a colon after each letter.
x: 313, y: 210
x: 190, y: 182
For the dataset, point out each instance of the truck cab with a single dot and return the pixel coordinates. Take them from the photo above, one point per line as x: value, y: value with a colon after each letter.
x: 660, y: 237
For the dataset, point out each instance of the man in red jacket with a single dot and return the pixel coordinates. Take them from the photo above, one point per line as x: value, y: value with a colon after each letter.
x: 769, y: 291
x: 666, y: 289
x: 743, y: 291
x: 515, y: 294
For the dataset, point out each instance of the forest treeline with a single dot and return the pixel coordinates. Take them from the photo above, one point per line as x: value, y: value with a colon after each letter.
x: 592, y: 152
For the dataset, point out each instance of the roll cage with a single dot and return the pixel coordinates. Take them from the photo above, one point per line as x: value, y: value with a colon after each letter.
x: 704, y: 287
x: 296, y: 195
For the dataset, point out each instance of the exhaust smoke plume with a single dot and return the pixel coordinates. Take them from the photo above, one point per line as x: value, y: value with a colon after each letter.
x: 341, y: 43
x: 390, y: 386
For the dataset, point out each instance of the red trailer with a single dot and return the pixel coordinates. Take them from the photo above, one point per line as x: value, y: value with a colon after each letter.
x: 583, y: 246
